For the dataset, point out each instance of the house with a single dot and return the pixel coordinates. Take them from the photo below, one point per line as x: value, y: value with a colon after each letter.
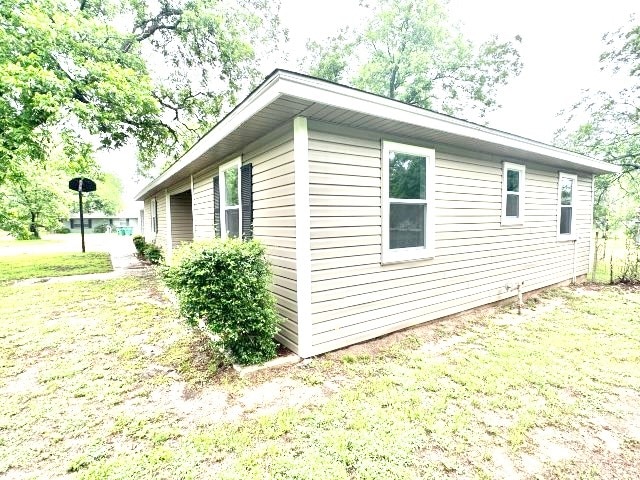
x: 376, y: 215
x: 96, y: 219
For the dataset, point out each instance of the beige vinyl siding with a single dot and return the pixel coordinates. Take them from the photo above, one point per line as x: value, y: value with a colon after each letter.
x: 202, y: 198
x: 181, y: 218
x: 274, y: 222
x: 355, y: 298
x: 149, y: 234
x: 158, y: 238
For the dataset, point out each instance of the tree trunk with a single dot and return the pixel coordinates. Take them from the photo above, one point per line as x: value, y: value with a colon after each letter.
x: 392, y: 82
x: 33, y: 226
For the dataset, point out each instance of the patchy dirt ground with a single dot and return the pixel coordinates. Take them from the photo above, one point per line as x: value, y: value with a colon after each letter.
x: 118, y: 387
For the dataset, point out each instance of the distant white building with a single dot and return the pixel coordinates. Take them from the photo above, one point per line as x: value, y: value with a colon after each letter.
x: 96, y: 219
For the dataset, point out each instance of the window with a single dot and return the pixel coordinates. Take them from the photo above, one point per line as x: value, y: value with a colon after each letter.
x: 567, y: 189
x: 75, y: 223
x: 407, y: 202
x: 230, y: 218
x: 513, y: 194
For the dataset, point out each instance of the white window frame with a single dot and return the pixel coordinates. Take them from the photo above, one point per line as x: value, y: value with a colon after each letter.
x: 574, y: 202
x: 521, y: 169
x: 235, y: 163
x: 390, y: 255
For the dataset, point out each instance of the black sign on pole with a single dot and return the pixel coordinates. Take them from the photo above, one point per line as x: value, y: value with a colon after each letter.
x: 80, y: 185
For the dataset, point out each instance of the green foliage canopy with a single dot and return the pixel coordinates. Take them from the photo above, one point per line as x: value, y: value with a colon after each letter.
x: 156, y: 74
x: 606, y: 125
x: 34, y: 200
x: 409, y: 51
x: 106, y: 199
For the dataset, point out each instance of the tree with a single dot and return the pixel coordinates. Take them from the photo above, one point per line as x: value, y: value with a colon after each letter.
x: 606, y: 125
x: 106, y: 199
x: 117, y: 71
x: 409, y: 51
x: 35, y: 199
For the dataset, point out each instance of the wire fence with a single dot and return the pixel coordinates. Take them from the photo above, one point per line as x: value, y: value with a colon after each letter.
x: 616, y: 259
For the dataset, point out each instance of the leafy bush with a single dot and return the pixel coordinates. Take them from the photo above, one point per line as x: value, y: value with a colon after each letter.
x: 148, y: 251
x: 153, y: 253
x: 139, y: 242
x: 226, y: 284
x: 630, y: 272
x: 23, y: 234
x: 62, y: 230
x: 100, y: 228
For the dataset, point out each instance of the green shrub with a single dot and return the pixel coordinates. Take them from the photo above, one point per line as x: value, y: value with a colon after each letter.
x: 62, y: 230
x: 630, y: 272
x: 100, y: 228
x: 153, y: 253
x: 23, y: 234
x: 226, y: 284
x: 148, y: 251
x: 139, y: 242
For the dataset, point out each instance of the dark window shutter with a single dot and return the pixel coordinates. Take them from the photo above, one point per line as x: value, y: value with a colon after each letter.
x: 246, y: 201
x: 216, y: 205
x: 155, y: 219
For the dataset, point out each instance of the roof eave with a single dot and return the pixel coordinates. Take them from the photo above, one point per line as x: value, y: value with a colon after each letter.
x: 264, y: 94
x: 364, y: 102
x: 280, y: 82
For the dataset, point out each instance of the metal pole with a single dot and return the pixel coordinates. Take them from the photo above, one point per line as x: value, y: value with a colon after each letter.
x: 81, y: 218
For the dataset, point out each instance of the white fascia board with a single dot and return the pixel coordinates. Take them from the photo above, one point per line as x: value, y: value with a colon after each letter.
x: 363, y: 102
x: 260, y: 98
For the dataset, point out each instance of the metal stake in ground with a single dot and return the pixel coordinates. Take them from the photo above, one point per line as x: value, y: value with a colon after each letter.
x: 80, y: 185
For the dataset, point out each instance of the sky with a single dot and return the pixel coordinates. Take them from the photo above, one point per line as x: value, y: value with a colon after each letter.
x: 561, y: 44
x: 560, y: 48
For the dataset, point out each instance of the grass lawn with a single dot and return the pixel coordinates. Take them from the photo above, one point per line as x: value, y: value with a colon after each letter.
x: 105, y: 381
x: 6, y: 241
x: 17, y: 267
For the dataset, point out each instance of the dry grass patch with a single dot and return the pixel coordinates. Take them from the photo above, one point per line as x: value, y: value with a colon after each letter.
x: 102, y: 380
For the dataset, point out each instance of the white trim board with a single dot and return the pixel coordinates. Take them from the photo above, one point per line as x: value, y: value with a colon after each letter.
x: 222, y: 186
x: 303, y: 235
x: 518, y: 221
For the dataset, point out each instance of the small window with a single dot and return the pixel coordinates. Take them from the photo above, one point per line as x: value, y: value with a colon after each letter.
x: 75, y: 223
x: 407, y: 192
x: 513, y: 183
x: 567, y: 191
x: 230, y: 214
